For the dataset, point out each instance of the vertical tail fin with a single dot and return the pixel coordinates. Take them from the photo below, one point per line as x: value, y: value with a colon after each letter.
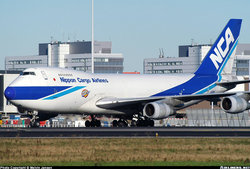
x: 221, y: 55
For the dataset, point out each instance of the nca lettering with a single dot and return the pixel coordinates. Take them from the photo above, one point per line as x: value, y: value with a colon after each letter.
x: 219, y: 54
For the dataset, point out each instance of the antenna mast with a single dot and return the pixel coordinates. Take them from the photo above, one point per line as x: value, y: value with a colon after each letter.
x: 161, y: 53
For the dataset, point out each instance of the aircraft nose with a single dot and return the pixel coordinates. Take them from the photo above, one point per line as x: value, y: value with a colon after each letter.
x: 10, y: 93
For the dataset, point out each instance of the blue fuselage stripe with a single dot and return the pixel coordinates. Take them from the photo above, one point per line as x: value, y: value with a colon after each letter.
x: 33, y: 93
x: 55, y: 96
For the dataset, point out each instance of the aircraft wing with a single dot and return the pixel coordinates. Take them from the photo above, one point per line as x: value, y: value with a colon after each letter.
x: 109, y: 103
x: 112, y: 103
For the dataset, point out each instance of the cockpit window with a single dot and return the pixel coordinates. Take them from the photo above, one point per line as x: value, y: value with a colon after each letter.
x: 28, y: 73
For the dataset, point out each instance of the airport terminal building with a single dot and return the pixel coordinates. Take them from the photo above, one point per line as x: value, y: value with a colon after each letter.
x: 191, y: 56
x: 70, y: 55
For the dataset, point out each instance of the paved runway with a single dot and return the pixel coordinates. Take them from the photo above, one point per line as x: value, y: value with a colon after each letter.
x: 122, y: 132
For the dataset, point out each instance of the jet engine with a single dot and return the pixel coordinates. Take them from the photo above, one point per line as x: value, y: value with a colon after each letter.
x: 158, y: 110
x: 234, y: 104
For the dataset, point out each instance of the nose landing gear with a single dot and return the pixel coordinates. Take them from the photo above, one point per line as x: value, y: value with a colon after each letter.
x: 34, y: 121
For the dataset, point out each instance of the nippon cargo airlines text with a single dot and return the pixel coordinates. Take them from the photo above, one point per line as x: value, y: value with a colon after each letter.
x: 80, y: 80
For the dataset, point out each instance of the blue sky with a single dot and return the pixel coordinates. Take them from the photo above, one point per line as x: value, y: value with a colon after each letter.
x: 137, y: 28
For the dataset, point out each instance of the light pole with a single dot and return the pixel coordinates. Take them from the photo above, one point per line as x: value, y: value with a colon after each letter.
x: 92, y: 41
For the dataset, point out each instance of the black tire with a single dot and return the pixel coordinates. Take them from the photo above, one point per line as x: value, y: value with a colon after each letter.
x: 92, y: 123
x: 98, y: 123
x: 115, y: 123
x: 122, y: 123
x: 87, y: 123
x: 151, y: 123
x: 140, y: 123
x: 35, y: 124
x: 133, y: 123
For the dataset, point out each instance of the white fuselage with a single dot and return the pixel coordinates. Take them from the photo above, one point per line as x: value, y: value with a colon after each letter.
x: 92, y: 88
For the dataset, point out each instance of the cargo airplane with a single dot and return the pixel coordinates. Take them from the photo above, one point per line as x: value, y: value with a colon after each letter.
x: 43, y: 93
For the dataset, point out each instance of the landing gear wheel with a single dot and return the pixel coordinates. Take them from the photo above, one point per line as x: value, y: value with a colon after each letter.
x: 140, y: 123
x: 87, y: 123
x: 122, y: 123
x: 93, y: 123
x: 144, y: 122
x: 151, y: 123
x: 96, y: 123
x: 133, y: 123
x: 115, y: 123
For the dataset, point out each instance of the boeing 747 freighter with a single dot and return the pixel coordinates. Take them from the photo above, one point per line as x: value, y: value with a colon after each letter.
x: 44, y: 93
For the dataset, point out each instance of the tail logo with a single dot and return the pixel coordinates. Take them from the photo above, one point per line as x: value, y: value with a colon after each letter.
x: 219, y: 54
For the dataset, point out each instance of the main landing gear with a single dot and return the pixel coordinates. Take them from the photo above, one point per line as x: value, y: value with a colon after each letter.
x: 141, y: 121
x: 120, y: 123
x: 93, y: 123
x: 137, y: 121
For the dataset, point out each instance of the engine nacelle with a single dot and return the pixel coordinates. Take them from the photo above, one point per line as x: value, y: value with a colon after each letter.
x: 157, y: 110
x: 234, y: 104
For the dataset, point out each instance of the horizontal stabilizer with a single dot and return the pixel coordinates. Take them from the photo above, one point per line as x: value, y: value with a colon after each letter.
x: 225, y: 84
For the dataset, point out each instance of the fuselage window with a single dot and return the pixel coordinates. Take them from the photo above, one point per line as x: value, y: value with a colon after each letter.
x: 28, y: 73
